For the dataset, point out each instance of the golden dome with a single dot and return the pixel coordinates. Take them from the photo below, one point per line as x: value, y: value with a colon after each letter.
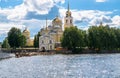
x: 57, y: 21
x: 26, y: 31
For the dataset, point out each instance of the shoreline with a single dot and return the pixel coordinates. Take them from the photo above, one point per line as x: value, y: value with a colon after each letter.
x: 4, y: 55
x: 28, y: 54
x: 20, y: 53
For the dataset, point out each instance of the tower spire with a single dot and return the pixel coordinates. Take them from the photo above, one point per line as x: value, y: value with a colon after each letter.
x: 46, y: 23
x: 68, y: 6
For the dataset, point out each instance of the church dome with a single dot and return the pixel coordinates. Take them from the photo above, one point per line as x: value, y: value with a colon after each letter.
x: 57, y: 21
x: 26, y: 31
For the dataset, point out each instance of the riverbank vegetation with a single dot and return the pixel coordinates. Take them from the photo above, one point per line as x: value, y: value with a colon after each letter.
x: 5, y: 44
x: 95, y: 38
x: 14, y: 39
x: 36, y: 40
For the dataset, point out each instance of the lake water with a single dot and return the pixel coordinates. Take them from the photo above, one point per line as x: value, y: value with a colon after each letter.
x: 62, y: 66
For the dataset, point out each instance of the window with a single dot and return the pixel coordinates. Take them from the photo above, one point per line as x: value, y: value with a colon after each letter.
x: 42, y: 42
x: 66, y: 21
x: 66, y: 15
x: 50, y: 41
x: 70, y: 21
x: 50, y: 47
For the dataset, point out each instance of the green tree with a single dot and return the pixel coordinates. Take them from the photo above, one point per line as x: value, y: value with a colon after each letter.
x: 92, y: 37
x: 103, y: 37
x: 36, y: 40
x: 5, y: 44
x: 117, y: 33
x: 72, y: 38
x: 81, y: 38
x: 13, y: 37
x: 22, y: 40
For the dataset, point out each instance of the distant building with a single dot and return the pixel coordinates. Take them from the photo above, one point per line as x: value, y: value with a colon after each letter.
x: 46, y: 42
x: 68, y: 19
x: 26, y: 33
x: 51, y: 35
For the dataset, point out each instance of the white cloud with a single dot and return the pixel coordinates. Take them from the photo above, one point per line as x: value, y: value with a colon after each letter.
x: 41, y: 7
x: 5, y: 27
x: 20, y: 11
x: 33, y: 25
x: 88, y: 16
x: 116, y: 20
x: 104, y: 19
x: 101, y: 0
x: 14, y: 17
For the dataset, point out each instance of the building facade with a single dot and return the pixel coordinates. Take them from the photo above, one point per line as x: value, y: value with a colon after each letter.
x: 46, y: 43
x: 51, y: 35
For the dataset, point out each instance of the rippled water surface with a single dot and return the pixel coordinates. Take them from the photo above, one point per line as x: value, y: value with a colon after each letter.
x: 62, y: 66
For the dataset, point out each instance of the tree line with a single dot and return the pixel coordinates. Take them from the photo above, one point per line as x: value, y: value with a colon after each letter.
x: 95, y: 38
x: 14, y: 39
x: 36, y: 40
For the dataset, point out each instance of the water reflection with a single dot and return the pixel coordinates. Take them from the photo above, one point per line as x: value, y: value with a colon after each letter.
x: 62, y: 66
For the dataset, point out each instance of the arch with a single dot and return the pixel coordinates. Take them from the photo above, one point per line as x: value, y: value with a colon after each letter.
x: 43, y: 49
x: 50, y: 47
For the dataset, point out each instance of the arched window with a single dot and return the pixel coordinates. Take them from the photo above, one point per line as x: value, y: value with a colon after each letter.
x: 70, y: 21
x: 50, y: 41
x: 42, y: 42
x: 50, y: 47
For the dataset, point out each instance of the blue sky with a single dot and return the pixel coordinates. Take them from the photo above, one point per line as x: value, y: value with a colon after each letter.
x: 32, y: 13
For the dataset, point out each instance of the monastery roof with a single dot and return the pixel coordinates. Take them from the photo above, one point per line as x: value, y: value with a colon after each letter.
x: 57, y: 20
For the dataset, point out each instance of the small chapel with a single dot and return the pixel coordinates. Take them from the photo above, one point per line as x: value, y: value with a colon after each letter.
x: 51, y: 35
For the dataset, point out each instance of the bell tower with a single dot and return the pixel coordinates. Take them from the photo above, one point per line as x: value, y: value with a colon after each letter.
x: 68, y: 19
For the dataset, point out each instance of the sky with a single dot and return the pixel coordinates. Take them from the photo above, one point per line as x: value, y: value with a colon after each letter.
x: 32, y: 13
